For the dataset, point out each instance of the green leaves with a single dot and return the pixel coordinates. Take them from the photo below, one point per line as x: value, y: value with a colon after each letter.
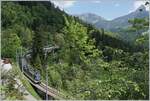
x: 91, y: 64
x: 10, y: 86
x: 76, y: 37
x: 55, y: 79
x: 10, y: 42
x: 139, y: 24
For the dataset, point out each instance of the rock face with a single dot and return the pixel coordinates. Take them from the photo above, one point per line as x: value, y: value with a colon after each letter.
x: 115, y: 24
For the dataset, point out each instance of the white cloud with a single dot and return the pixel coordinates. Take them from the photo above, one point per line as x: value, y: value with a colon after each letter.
x: 138, y: 3
x: 96, y: 1
x: 63, y: 3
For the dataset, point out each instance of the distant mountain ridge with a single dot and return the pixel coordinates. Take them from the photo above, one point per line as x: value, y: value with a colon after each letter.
x: 91, y: 18
x: 115, y: 24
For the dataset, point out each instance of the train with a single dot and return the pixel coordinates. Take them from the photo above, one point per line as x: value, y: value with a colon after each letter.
x: 30, y: 72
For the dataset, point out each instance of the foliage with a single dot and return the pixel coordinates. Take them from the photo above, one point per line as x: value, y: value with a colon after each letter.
x: 90, y: 64
x: 10, y: 42
x: 77, y: 41
x: 138, y: 24
x: 9, y: 83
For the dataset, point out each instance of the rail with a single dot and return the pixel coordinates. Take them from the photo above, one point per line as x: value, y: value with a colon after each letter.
x: 42, y: 86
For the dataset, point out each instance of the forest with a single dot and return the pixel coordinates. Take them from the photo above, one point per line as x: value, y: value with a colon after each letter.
x: 91, y: 64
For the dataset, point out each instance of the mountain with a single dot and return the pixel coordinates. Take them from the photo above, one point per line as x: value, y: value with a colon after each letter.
x: 90, y: 63
x: 115, y: 24
x: 92, y: 18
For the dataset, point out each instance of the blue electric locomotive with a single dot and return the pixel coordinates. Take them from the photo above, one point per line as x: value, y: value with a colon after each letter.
x: 32, y: 74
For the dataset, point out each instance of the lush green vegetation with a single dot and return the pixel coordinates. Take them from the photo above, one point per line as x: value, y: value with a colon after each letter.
x: 25, y: 83
x: 138, y: 25
x: 9, y: 89
x: 90, y: 64
x: 12, y: 87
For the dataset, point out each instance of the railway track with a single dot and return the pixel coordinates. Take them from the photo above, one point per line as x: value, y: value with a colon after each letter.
x: 54, y: 91
x: 42, y: 86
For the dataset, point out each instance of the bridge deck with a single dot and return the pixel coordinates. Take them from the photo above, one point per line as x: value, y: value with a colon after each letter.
x: 41, y: 86
x: 50, y: 91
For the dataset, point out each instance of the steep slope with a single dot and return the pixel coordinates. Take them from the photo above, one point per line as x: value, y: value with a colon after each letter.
x: 83, y: 68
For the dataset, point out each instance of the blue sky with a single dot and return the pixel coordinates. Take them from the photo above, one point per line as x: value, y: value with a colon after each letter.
x: 109, y: 9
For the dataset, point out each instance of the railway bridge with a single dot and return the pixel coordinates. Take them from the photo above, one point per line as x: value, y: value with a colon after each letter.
x: 55, y: 94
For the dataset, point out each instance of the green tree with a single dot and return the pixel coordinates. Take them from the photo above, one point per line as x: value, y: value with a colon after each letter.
x: 39, y: 42
x: 10, y: 42
x: 78, y: 42
x: 138, y: 24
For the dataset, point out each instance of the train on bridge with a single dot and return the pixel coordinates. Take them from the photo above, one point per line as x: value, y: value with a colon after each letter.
x: 32, y: 73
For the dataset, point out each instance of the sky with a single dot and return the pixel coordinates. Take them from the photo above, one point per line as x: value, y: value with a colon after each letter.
x: 108, y: 9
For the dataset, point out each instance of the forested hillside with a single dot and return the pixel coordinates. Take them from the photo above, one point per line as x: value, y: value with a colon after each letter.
x: 90, y: 64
